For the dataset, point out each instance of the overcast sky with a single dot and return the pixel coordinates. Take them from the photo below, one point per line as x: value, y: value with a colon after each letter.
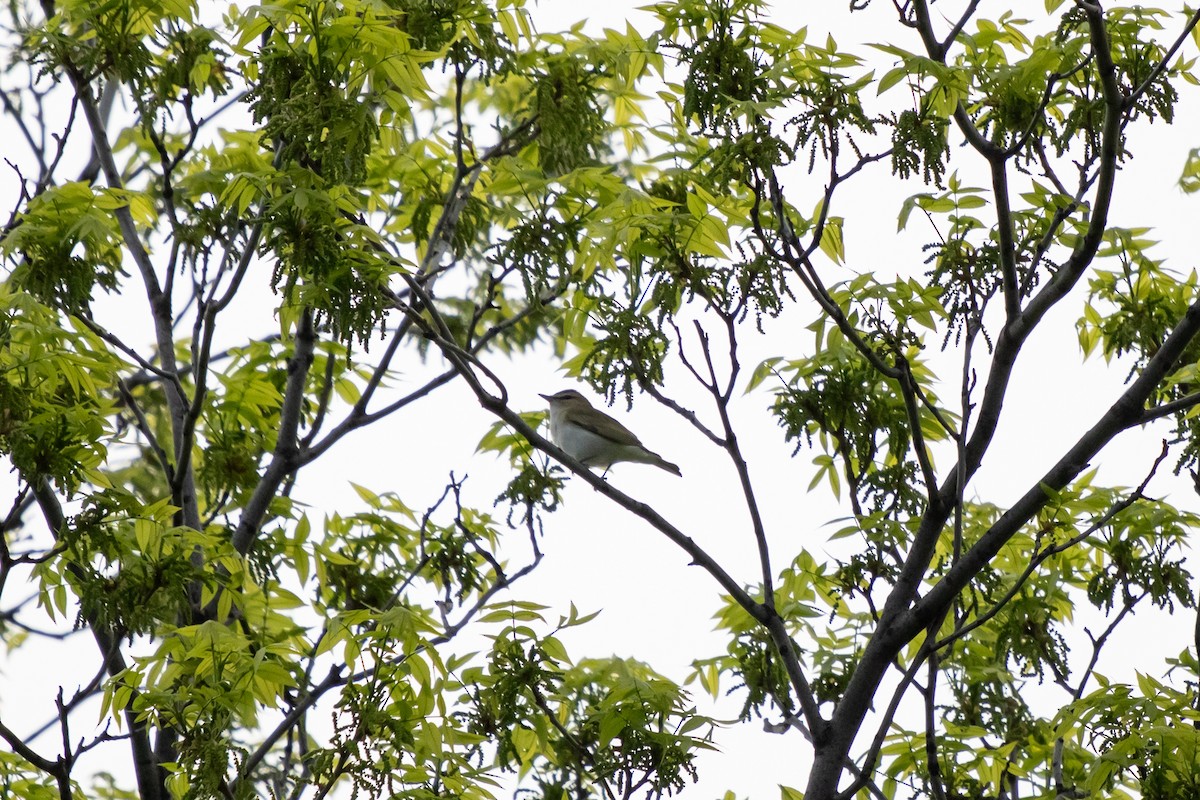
x: 657, y: 608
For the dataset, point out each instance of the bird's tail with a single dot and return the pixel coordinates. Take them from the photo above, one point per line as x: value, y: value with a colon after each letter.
x: 662, y: 463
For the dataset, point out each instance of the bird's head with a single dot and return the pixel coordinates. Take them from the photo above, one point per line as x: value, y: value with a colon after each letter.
x: 567, y: 398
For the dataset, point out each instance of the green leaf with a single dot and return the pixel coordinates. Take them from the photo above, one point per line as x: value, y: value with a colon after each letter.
x: 761, y: 373
x: 831, y: 240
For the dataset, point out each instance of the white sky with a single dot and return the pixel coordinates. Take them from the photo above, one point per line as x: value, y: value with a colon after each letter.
x: 657, y: 608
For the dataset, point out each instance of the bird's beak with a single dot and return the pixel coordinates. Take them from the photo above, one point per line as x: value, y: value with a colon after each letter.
x: 544, y: 396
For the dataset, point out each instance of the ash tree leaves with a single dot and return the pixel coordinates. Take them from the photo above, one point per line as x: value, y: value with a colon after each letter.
x: 328, y: 212
x: 69, y: 243
x: 297, y: 199
x: 318, y: 114
x: 1189, y: 180
x: 920, y: 143
x: 1130, y: 312
x: 1043, y: 107
x: 569, y: 114
x: 55, y: 421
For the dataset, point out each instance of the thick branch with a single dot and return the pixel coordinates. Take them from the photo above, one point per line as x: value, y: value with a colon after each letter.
x: 1004, y: 226
x: 900, y: 621
x: 1014, y: 334
x: 160, y: 303
x: 937, y: 51
x: 145, y: 766
x: 1041, y: 556
x: 1125, y: 413
x: 286, y: 456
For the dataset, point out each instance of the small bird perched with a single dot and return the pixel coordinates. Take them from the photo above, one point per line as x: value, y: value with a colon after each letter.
x: 593, y: 437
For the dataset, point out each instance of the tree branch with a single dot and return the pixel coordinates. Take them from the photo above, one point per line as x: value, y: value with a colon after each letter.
x: 1004, y: 226
x: 286, y: 456
x: 1124, y: 413
x: 146, y: 769
x: 28, y: 753
x: 1041, y: 556
x: 1158, y: 70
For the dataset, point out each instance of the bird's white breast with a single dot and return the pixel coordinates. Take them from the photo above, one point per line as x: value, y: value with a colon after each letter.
x: 582, y: 444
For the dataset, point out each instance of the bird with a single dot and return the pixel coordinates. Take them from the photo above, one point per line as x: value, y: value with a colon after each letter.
x: 594, y: 438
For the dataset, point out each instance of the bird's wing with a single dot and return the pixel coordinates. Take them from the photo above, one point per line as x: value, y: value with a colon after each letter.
x: 605, y: 426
